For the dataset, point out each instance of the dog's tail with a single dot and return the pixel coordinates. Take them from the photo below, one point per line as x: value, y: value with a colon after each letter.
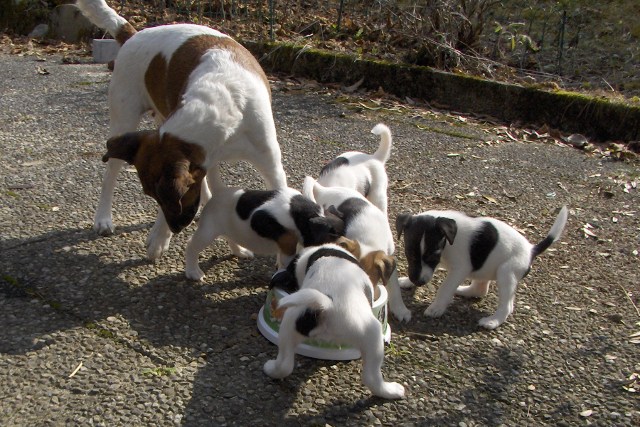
x: 554, y: 234
x: 384, y: 150
x: 310, y: 298
x: 308, y: 187
x: 101, y: 15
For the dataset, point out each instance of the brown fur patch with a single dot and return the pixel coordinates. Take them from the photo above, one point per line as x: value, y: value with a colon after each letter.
x: 166, y: 82
x: 155, y: 79
x: 379, y: 267
x: 351, y: 245
x: 287, y: 243
x: 125, y: 33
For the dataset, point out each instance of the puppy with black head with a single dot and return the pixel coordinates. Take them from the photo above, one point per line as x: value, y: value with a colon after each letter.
x: 362, y: 172
x: 482, y: 249
x: 369, y: 226
x: 334, y: 305
x: 262, y: 221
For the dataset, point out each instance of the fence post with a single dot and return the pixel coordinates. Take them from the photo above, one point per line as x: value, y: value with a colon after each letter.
x: 561, y: 41
x: 271, y: 19
x: 340, y: 15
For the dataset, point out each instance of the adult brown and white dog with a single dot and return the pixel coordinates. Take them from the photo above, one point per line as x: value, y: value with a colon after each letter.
x: 212, y: 101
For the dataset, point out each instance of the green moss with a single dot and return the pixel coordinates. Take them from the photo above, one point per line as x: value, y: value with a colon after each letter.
x: 11, y: 193
x: 105, y: 333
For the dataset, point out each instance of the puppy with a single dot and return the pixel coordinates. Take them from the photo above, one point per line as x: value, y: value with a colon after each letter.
x: 366, y: 224
x: 264, y: 222
x: 333, y: 304
x: 379, y: 267
x: 362, y: 172
x: 212, y: 101
x: 482, y: 249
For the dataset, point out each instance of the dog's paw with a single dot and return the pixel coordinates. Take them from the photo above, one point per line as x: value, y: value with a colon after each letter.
x: 400, y: 312
x: 405, y: 283
x: 490, y: 322
x: 155, y: 249
x: 435, y: 310
x: 104, y: 227
x: 241, y: 252
x: 390, y: 391
x: 272, y: 369
x: 194, y: 274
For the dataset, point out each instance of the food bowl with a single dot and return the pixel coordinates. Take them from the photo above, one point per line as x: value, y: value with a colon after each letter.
x: 269, y: 325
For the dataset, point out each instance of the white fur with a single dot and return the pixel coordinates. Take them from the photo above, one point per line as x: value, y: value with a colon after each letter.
x: 336, y: 286
x: 364, y: 168
x: 226, y: 110
x: 370, y: 228
x: 219, y: 218
x: 507, y: 264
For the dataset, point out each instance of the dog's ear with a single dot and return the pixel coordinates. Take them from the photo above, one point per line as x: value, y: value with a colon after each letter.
x: 386, y: 265
x: 334, y: 211
x: 448, y: 227
x: 336, y: 223
x: 402, y: 221
x: 351, y: 245
x: 126, y: 146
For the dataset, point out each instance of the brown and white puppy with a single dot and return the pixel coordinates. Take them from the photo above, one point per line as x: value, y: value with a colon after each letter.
x: 333, y: 305
x: 366, y: 224
x: 213, y: 102
x: 262, y: 221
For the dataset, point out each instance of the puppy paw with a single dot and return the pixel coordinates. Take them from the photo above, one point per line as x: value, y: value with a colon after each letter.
x: 405, y: 283
x: 390, y: 391
x: 272, y: 369
x: 104, y: 227
x: 194, y: 274
x: 490, y: 322
x: 241, y: 252
x: 435, y: 310
x: 403, y: 314
x: 155, y: 249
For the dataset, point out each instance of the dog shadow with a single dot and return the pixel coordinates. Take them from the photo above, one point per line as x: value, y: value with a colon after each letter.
x: 211, y: 325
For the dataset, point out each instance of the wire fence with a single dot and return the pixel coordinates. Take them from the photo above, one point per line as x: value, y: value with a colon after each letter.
x: 548, y: 38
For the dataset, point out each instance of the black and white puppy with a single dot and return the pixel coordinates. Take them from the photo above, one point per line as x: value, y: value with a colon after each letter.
x: 362, y: 172
x: 482, y: 249
x: 264, y: 222
x: 334, y: 305
x: 366, y: 224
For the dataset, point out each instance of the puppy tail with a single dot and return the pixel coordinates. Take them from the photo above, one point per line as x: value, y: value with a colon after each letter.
x: 101, y: 15
x: 384, y: 149
x: 310, y: 298
x: 554, y: 234
x: 307, y: 188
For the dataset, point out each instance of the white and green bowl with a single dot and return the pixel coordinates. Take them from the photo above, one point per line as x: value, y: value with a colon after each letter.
x: 269, y: 327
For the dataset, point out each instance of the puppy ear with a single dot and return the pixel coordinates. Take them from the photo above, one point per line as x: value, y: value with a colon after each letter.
x: 385, y: 265
x: 334, y: 211
x: 351, y: 245
x: 402, y: 221
x: 307, y: 188
x: 126, y: 146
x: 448, y: 227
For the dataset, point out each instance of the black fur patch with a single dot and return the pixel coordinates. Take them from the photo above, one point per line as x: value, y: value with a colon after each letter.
x: 334, y: 164
x: 265, y: 225
x: 307, y: 321
x: 286, y: 279
x: 329, y: 252
x: 251, y: 200
x: 482, y: 243
x: 350, y: 208
x: 302, y: 211
x: 422, y: 228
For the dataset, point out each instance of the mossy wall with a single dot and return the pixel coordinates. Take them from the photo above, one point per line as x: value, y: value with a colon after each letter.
x: 569, y: 112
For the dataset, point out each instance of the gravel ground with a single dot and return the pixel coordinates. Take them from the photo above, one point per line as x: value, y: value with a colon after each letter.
x: 93, y: 334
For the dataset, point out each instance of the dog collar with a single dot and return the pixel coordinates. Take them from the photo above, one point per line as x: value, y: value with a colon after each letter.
x: 329, y: 252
